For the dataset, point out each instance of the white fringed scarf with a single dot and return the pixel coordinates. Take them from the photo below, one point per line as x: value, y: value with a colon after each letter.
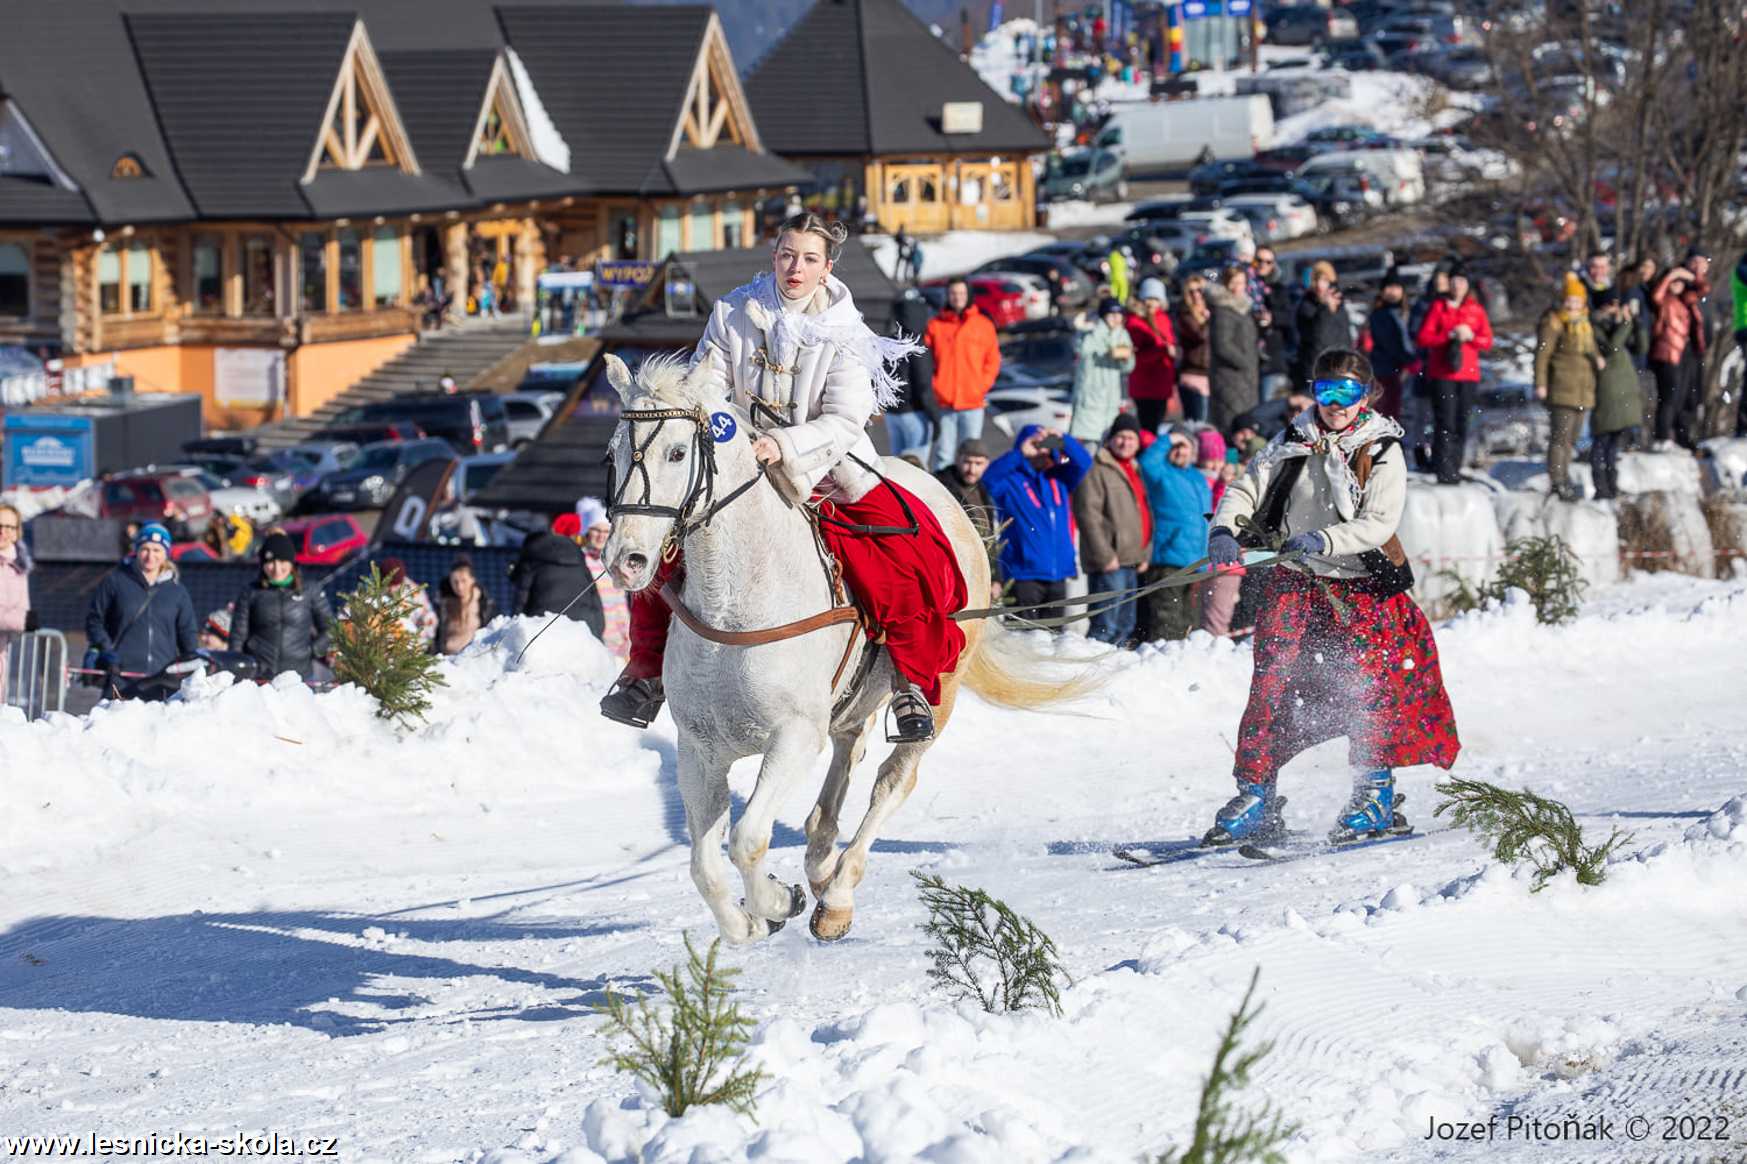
x: 1306, y: 437
x: 839, y: 325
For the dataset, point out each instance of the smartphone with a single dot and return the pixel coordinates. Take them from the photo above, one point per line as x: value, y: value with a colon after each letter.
x: 1051, y: 444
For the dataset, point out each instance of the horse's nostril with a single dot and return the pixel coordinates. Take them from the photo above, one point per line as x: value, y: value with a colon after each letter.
x: 635, y: 561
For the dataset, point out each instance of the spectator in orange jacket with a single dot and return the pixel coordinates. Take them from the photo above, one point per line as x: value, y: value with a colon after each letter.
x: 966, y: 359
x: 1453, y: 335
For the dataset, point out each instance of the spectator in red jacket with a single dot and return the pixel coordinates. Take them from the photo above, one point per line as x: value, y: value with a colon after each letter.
x: 1153, y: 383
x: 1453, y: 335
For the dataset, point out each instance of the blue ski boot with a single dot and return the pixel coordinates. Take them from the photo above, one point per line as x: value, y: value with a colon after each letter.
x: 1253, y: 816
x: 1372, y: 811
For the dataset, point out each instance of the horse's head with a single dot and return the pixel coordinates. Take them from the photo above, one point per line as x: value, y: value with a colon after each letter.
x: 672, y: 438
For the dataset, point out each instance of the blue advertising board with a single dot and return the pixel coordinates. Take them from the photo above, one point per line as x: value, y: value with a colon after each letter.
x: 48, y: 450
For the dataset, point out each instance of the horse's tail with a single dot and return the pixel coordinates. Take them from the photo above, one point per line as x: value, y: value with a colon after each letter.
x: 1011, y: 670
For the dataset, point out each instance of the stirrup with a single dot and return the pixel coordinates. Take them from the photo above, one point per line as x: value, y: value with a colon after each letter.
x: 909, y: 718
x: 634, y: 702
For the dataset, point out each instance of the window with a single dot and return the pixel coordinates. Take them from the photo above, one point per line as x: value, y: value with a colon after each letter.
x: 184, y: 490
x: 703, y: 227
x: 312, y: 266
x: 900, y: 191
x: 14, y: 280
x: 330, y: 533
x: 351, y: 270
x: 109, y: 281
x: 139, y: 279
x: 208, y: 291
x: 385, y: 266
x: 258, y: 297
x: 667, y: 232
x: 625, y: 232
x: 732, y: 236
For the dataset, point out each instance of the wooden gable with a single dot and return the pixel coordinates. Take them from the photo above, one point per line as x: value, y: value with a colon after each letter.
x: 362, y: 127
x: 502, y: 127
x: 715, y: 107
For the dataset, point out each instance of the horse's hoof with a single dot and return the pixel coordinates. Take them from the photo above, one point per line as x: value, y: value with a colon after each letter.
x: 797, y: 901
x: 828, y: 924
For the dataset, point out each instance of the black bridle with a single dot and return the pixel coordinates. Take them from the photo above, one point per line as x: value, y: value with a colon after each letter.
x: 700, y: 485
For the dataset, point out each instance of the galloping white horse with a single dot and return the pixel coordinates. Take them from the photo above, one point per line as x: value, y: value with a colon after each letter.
x: 751, y: 563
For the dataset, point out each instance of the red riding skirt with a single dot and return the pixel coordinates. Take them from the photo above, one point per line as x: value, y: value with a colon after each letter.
x: 1367, y: 670
x: 907, y: 584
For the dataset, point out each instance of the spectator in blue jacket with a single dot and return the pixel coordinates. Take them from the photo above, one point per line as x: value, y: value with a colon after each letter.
x: 141, y: 619
x: 1181, y: 501
x: 1031, y: 486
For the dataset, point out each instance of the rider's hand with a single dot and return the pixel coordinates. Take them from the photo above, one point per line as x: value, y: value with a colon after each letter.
x: 1223, y: 549
x: 767, y: 451
x: 1309, y: 542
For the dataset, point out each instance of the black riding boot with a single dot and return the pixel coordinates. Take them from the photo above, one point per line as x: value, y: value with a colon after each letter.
x: 634, y: 701
x: 912, y: 718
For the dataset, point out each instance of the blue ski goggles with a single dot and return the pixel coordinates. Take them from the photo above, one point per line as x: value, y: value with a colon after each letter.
x: 1343, y: 393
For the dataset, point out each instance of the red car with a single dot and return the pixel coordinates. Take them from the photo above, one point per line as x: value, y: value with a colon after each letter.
x: 1002, y: 300
x: 326, y: 540
x: 181, y: 503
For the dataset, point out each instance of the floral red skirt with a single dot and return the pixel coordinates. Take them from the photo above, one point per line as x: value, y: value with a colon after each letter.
x: 1367, y: 671
x: 909, y: 585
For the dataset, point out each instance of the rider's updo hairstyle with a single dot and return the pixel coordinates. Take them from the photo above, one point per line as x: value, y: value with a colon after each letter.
x: 835, y: 234
x: 1345, y: 364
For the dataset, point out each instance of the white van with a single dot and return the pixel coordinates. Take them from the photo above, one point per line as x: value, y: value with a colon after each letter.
x: 1171, y: 134
x: 1399, y: 174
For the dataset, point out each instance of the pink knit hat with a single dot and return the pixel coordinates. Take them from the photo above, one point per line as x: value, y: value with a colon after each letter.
x: 1209, y: 445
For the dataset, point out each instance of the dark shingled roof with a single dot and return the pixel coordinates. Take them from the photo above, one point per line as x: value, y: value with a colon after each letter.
x: 566, y: 461
x: 36, y: 200
x: 438, y: 93
x: 726, y: 166
x: 888, y: 75
x: 503, y: 179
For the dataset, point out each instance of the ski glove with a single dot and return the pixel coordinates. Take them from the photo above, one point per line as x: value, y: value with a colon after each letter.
x: 1309, y: 542
x: 1223, y: 549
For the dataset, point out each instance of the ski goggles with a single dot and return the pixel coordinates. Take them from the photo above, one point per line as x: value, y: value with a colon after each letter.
x: 1342, y: 393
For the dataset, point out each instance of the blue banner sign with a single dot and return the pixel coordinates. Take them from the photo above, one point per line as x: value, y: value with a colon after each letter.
x: 48, y: 450
x: 626, y: 272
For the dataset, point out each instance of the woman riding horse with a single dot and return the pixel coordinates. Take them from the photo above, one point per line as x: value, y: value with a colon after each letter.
x: 792, y: 350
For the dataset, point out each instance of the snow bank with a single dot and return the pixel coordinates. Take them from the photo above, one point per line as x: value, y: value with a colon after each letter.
x: 1675, y: 472
x: 1449, y: 527
x: 1587, y: 527
x: 1666, y: 530
x: 1081, y: 213
x: 1726, y: 515
x: 956, y: 251
x: 30, y: 502
x: 1728, y: 461
x: 1385, y: 101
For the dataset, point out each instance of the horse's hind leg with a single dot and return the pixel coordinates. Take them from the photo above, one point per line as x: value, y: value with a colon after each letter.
x: 703, y: 786
x: 848, y: 747
x: 793, y: 748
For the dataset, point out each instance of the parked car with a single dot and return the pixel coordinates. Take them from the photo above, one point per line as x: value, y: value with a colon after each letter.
x: 180, y: 503
x: 258, y: 505
x: 1350, y: 137
x: 1287, y: 159
x: 1397, y: 174
x: 1069, y: 284
x: 327, y: 540
x: 474, y: 473
x: 1093, y: 175
x: 291, y: 472
x: 1173, y: 133
x: 1002, y: 300
x: 1458, y: 67
x: 1014, y: 404
x: 1353, y: 55
x: 1222, y: 223
x: 372, y: 479
x: 1400, y: 35
x: 368, y: 433
x: 472, y: 422
x: 1309, y: 25
x: 1210, y: 257
x: 1361, y: 265
x: 1265, y: 185
x: 528, y: 413
x: 1208, y: 177
x: 1454, y: 160
x: 1168, y: 235
x: 1281, y: 216
x: 1039, y: 352
x: 231, y: 446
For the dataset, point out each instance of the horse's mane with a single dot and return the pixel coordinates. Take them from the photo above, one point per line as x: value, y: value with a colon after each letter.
x: 666, y: 378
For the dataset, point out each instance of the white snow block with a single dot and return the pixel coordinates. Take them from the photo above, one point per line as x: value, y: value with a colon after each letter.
x: 1676, y: 472
x: 1449, y: 527
x: 1726, y: 514
x: 1728, y: 462
x: 1666, y: 530
x: 1587, y: 527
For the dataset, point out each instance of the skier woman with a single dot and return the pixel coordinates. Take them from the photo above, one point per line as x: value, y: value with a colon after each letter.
x: 1340, y: 648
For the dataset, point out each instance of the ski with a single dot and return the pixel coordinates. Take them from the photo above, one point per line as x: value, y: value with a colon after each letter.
x: 1173, y: 852
x: 1286, y: 855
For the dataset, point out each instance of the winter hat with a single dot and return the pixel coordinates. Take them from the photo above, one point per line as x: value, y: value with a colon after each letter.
x: 567, y: 525
x: 1210, y: 445
x: 152, y: 533
x: 218, y: 623
x: 1246, y: 249
x: 1323, y: 269
x: 1574, y: 288
x: 1124, y: 422
x: 1393, y: 279
x: 972, y: 447
x: 393, y: 570
x: 1152, y: 289
x: 278, y: 548
x: 592, y: 513
x: 1110, y: 307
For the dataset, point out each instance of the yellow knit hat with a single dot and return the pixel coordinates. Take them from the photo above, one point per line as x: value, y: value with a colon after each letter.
x: 1574, y: 288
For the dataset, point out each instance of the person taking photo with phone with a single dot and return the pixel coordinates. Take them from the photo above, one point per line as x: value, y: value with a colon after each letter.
x: 1032, y: 486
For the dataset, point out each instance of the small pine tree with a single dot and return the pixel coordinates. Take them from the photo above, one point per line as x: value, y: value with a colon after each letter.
x: 1524, y: 826
x: 1222, y: 1134
x: 1545, y: 568
x: 694, y: 1053
x: 983, y: 950
x: 374, y: 650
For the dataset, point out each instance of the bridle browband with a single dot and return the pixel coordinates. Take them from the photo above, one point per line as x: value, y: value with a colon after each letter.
x: 700, y: 486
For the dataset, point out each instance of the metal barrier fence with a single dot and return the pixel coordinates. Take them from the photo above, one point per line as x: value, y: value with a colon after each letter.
x: 35, y: 678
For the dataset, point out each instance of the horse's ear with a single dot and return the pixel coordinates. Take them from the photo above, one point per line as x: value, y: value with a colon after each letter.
x: 619, y: 376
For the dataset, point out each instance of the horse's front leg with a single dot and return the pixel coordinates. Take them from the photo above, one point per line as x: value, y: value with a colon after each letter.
x: 703, y: 787
x: 787, y: 759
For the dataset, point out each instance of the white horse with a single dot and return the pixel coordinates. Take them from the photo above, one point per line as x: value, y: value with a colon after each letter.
x: 753, y: 565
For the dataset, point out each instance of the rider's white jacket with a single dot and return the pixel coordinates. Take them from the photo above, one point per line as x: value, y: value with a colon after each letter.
x: 812, y: 367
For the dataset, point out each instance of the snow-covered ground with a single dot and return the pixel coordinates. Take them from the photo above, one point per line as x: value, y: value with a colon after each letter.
x: 260, y: 908
x: 1081, y: 213
x: 1394, y: 103
x: 957, y: 251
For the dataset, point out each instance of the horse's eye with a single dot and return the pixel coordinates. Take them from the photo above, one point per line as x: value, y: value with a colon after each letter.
x: 676, y: 453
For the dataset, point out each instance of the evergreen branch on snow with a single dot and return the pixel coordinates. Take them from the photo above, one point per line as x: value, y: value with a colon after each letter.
x: 985, y: 951
x: 1526, y: 827
x: 373, y: 649
x: 1224, y: 1135
x: 693, y: 1052
x: 1545, y: 568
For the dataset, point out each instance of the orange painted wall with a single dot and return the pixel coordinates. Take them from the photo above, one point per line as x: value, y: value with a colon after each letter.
x: 320, y: 372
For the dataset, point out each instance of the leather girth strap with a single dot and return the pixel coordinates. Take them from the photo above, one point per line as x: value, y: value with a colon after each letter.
x: 772, y: 634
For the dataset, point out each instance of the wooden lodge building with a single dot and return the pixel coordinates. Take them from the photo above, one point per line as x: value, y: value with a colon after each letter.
x: 245, y: 198
x: 865, y: 96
